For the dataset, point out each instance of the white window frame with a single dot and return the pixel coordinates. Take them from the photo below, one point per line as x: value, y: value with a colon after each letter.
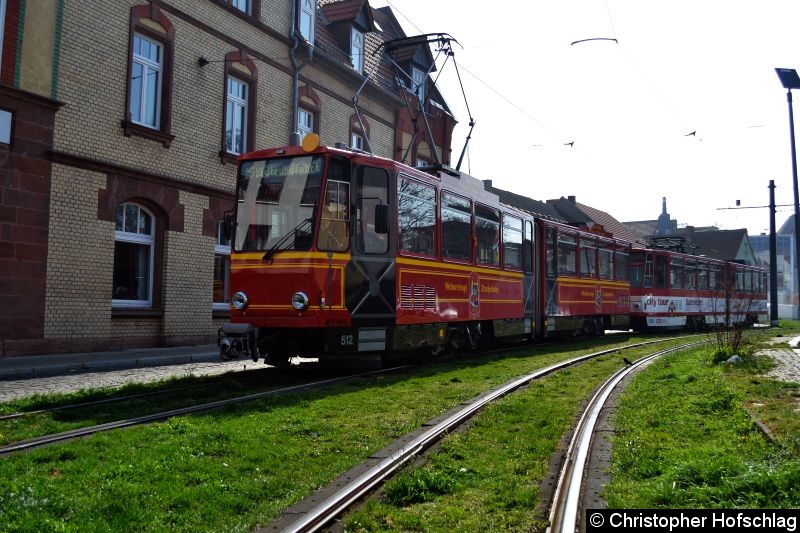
x: 237, y: 107
x: 307, y: 19
x: 221, y: 248
x: 241, y: 5
x: 305, y: 122
x: 140, y: 100
x: 356, y: 141
x: 138, y: 238
x: 6, y: 124
x: 419, y: 78
x: 357, y: 50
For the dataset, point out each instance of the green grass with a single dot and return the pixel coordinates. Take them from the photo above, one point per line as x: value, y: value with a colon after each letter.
x: 488, y: 478
x: 684, y: 438
x: 168, y: 394
x: 238, y: 467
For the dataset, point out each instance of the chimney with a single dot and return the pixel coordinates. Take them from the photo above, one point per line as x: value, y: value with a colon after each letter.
x: 487, y: 183
x: 571, y: 199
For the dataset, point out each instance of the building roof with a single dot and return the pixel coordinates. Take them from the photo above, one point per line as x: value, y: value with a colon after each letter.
x: 720, y: 244
x: 383, y: 26
x: 523, y: 203
x: 344, y: 10
x: 788, y: 227
x: 612, y: 225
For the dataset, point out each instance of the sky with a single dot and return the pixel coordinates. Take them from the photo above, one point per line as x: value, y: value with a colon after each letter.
x: 704, y: 66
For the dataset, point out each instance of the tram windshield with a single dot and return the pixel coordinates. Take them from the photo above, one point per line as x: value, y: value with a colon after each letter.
x: 276, y: 202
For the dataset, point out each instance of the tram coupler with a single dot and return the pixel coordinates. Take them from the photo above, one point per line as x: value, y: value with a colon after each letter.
x: 235, y: 340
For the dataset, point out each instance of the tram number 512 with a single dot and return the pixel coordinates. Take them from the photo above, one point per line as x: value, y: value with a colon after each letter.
x: 347, y: 340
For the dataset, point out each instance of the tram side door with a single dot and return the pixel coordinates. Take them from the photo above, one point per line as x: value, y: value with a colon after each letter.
x: 370, y: 275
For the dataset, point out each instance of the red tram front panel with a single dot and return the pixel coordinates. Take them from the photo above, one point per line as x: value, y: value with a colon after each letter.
x: 271, y: 285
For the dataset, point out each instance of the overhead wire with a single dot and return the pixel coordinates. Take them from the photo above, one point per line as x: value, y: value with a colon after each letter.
x: 640, y: 71
x: 485, y: 84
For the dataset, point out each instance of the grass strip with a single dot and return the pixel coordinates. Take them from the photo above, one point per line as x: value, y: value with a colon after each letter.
x: 685, y: 440
x: 169, y: 394
x: 238, y: 467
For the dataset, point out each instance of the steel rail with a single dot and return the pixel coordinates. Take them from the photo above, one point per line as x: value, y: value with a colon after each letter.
x: 120, y: 424
x: 565, y: 508
x: 335, y: 504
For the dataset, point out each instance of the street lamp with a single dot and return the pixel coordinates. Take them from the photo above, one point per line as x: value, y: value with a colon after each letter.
x: 790, y: 80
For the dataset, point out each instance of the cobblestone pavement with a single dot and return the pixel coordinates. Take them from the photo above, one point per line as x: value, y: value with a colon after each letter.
x: 14, y: 389
x: 787, y: 364
x: 787, y: 359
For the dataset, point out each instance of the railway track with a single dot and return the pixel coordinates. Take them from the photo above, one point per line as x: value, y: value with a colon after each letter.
x: 31, y: 444
x: 570, y: 491
x: 322, y: 508
x: 64, y: 436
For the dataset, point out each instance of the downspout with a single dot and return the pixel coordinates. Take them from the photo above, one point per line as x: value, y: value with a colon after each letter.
x: 294, y: 136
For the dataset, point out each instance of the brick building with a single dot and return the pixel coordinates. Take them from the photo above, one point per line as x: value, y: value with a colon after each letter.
x: 120, y: 123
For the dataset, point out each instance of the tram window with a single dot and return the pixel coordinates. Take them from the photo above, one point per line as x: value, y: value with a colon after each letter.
x: 637, y: 269
x: 715, y: 279
x: 588, y: 257
x: 691, y: 275
x: 567, y: 251
x: 334, y: 220
x: 621, y: 265
x: 550, y: 251
x: 416, y: 214
x: 373, y: 190
x: 527, y: 247
x: 605, y: 258
x: 512, y: 242
x: 676, y: 273
x: 702, y: 276
x: 456, y: 218
x: 661, y: 272
x: 487, y: 233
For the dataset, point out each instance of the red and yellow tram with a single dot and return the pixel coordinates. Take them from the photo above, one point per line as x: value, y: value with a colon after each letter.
x: 336, y: 252
x: 341, y: 252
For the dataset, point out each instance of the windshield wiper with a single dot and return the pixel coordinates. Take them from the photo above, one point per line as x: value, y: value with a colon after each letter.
x: 291, y: 233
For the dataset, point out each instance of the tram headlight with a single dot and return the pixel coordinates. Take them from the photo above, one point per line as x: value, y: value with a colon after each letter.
x: 300, y: 301
x: 239, y: 300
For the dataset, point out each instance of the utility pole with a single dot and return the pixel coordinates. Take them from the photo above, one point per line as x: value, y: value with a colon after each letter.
x: 773, y: 259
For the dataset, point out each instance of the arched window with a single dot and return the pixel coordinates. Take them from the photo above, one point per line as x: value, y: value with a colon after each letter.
x: 359, y: 132
x: 134, y: 239
x: 148, y: 99
x: 308, y: 112
x: 241, y: 80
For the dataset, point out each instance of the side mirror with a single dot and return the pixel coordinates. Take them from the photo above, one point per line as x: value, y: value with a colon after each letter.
x: 382, y: 219
x: 227, y: 226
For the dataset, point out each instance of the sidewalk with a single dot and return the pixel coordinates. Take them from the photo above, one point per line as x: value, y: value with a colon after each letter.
x: 61, y: 364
